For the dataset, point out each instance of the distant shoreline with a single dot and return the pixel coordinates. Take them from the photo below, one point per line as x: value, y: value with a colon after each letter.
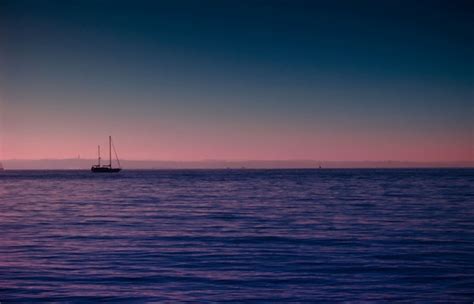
x: 85, y: 164
x: 249, y: 169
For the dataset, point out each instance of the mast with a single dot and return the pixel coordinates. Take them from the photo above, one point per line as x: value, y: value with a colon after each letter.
x: 116, y: 156
x: 98, y: 153
x: 110, y: 151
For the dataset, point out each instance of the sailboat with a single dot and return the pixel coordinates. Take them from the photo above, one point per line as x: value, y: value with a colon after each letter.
x: 106, y: 168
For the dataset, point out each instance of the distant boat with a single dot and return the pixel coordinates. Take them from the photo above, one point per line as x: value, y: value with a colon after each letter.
x: 106, y: 168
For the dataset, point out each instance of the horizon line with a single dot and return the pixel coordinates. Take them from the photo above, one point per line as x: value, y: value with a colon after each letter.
x: 244, y: 160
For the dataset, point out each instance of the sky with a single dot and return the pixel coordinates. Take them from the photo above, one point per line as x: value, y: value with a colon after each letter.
x: 238, y: 80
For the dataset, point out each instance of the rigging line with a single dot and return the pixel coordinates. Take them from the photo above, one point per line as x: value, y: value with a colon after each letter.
x: 116, y: 156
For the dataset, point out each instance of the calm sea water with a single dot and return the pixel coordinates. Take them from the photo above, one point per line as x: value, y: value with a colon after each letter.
x: 237, y: 235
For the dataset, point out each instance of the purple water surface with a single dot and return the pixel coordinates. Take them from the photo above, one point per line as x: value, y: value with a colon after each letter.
x: 237, y: 235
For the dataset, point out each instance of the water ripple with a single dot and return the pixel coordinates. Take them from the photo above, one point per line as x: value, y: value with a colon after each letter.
x: 237, y: 235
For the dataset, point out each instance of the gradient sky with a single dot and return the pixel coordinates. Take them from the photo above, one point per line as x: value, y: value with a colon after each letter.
x: 270, y: 80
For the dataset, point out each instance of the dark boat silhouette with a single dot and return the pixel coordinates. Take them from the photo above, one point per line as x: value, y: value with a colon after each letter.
x: 106, y: 168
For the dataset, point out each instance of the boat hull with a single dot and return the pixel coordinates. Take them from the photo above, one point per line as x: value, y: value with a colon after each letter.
x: 105, y: 170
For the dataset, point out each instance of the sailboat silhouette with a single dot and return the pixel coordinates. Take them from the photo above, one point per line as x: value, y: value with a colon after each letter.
x: 106, y: 168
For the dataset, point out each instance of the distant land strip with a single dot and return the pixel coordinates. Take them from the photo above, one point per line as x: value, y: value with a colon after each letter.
x: 81, y: 164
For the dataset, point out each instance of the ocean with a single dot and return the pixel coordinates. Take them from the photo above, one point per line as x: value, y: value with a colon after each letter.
x: 329, y: 235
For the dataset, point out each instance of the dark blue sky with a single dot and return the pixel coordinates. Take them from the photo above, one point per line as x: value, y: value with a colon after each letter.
x: 350, y: 80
